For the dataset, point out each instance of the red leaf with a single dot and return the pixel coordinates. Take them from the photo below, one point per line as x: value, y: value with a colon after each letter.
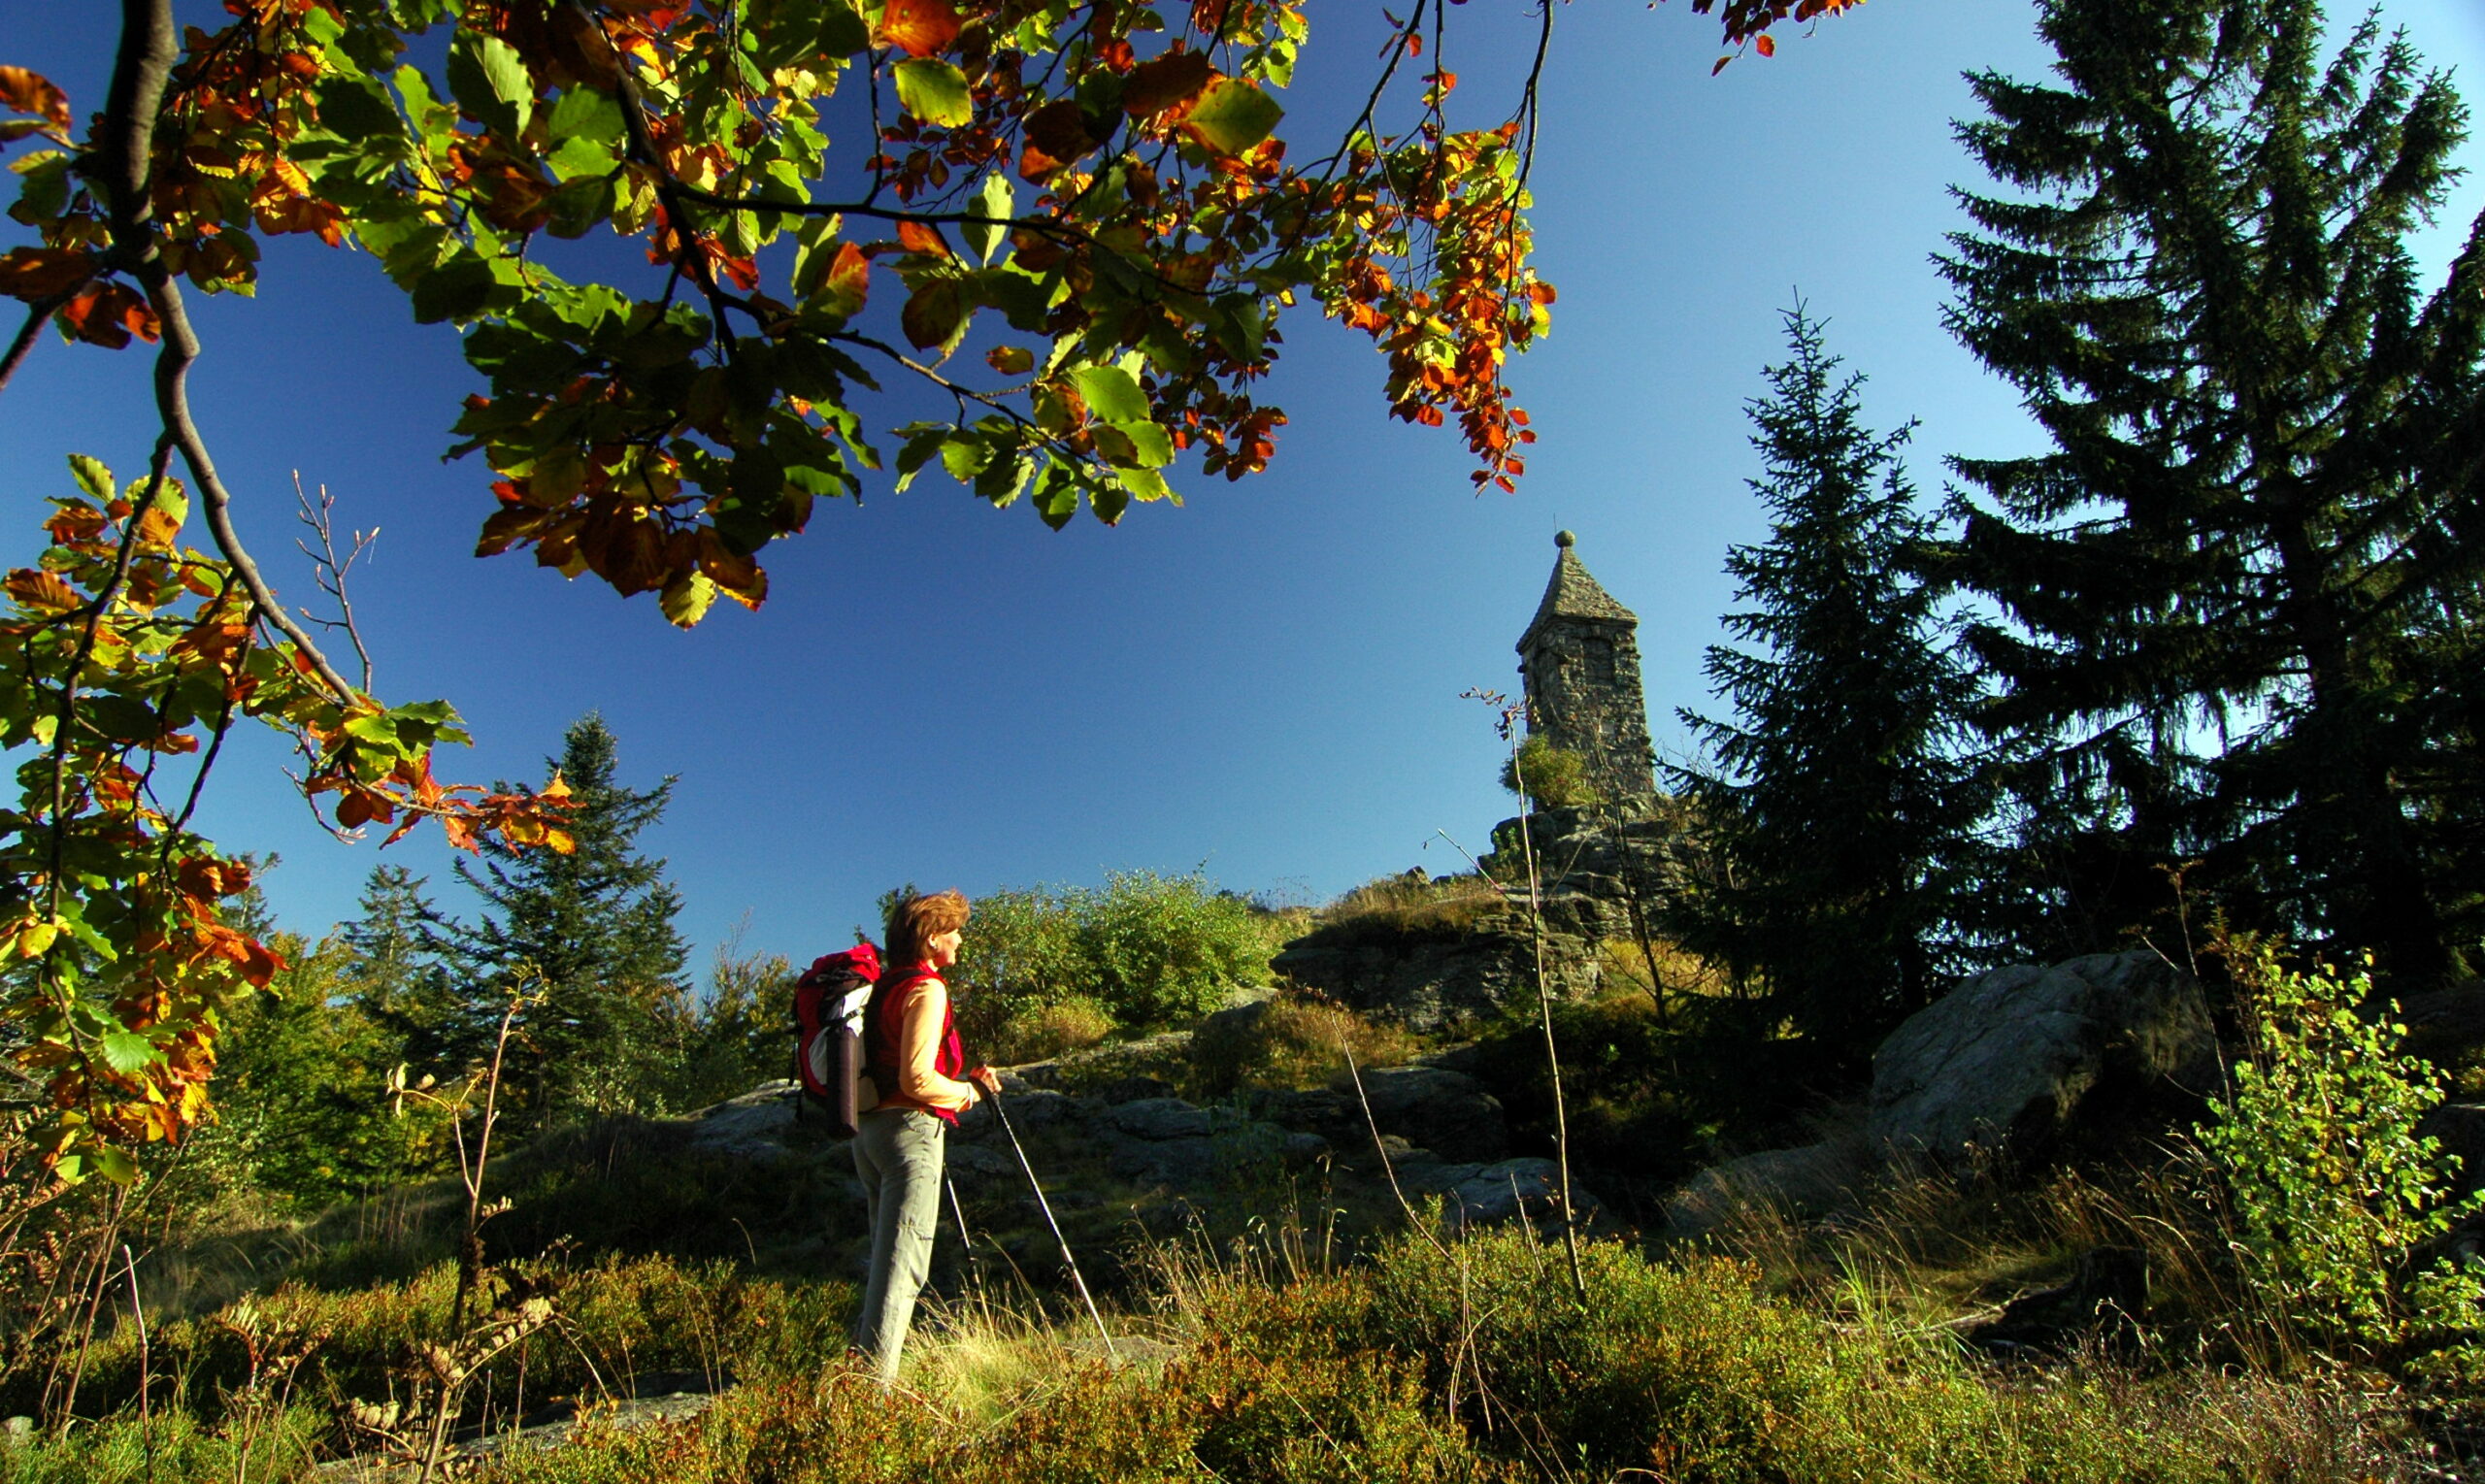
x: 1168, y: 81
x: 919, y: 27
x: 1056, y: 135
x: 1767, y: 44
x: 1207, y: 17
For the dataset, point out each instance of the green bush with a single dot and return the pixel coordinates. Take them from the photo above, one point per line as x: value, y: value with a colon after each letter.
x: 2332, y: 1191
x: 1555, y: 777
x: 1149, y: 949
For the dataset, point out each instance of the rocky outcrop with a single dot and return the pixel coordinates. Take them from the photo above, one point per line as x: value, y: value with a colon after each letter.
x: 2023, y: 1055
x: 1436, y: 980
x: 1443, y: 1133
x: 1430, y: 1108
x: 1800, y: 1183
x: 2020, y: 1057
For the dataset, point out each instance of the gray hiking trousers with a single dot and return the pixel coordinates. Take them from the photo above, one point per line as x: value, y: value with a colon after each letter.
x: 898, y: 1153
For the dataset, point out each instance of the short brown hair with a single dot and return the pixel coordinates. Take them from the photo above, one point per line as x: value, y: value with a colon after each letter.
x: 920, y: 919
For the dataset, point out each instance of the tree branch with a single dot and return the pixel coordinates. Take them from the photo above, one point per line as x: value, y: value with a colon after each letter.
x: 148, y: 47
x: 23, y: 345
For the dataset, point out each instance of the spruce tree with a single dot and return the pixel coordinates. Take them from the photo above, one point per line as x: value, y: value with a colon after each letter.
x: 406, y: 975
x: 1839, y: 807
x: 591, y: 932
x: 2219, y: 600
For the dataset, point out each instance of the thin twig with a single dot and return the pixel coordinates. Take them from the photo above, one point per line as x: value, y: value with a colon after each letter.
x: 23, y: 344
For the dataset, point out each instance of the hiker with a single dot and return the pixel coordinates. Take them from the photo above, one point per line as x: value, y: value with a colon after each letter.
x: 918, y: 1070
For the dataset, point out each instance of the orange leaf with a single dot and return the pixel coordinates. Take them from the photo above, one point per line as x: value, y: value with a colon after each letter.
x: 31, y: 92
x: 922, y: 237
x: 850, y: 279
x: 1766, y: 43
x: 41, y: 590
x: 919, y: 27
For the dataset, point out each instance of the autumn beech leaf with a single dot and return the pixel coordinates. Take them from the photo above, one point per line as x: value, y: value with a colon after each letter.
x: 39, y: 273
x: 1232, y: 116
x: 935, y: 316
x: 1168, y: 81
x: 919, y: 27
x: 1765, y: 43
x: 921, y: 236
x: 1056, y: 135
x: 31, y: 92
x: 42, y: 591
x: 849, y: 281
x: 935, y: 91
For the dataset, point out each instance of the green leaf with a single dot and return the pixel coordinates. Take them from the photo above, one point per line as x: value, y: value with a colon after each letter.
x: 1111, y: 393
x: 998, y: 199
x: 456, y: 289
x: 358, y: 108
x: 584, y: 112
x: 1232, y: 115
x: 935, y: 316
x: 488, y: 80
x: 582, y: 159
x: 687, y: 599
x: 965, y: 457
x: 1143, y: 445
x: 1109, y: 501
x: 1056, y: 497
x: 843, y: 30
x: 127, y: 1052
x: 116, y: 1165
x: 1147, y: 485
x: 935, y: 91
x: 92, y: 476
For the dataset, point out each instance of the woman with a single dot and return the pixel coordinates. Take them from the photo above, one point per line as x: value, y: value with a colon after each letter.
x: 917, y: 1069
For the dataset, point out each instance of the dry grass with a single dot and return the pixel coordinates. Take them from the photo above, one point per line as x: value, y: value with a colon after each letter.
x: 1293, y: 1041
x: 1406, y: 906
x: 1038, y: 1032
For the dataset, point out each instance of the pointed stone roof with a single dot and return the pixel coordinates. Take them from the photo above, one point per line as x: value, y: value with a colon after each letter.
x: 1573, y: 594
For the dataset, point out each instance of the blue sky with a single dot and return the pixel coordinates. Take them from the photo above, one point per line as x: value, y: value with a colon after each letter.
x: 1264, y: 685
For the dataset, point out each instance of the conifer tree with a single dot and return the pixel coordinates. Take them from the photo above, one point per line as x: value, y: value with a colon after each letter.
x: 591, y: 932
x: 407, y: 976
x: 1840, y: 807
x: 2220, y: 599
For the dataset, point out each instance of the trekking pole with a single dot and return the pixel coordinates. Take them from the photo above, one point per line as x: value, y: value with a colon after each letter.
x: 1046, y: 1207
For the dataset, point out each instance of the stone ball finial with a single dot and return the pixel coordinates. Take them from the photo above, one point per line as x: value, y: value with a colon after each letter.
x: 1566, y: 539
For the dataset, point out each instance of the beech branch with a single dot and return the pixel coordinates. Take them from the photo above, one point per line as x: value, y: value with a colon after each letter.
x: 150, y: 45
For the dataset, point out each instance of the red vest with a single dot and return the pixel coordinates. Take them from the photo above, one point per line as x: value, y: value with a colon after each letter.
x: 950, y: 1061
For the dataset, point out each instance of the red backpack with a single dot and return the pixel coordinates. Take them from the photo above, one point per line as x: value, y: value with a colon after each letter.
x: 831, y: 1001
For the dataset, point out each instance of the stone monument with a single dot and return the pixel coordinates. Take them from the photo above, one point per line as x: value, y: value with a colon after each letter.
x: 1580, y: 660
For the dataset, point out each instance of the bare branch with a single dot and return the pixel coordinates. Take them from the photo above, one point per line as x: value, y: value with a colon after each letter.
x: 328, y: 569
x: 23, y: 345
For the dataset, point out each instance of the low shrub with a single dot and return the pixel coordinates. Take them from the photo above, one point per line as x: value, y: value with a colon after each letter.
x: 1147, y: 949
x: 1551, y: 777
x: 1291, y: 1042
x: 2332, y: 1192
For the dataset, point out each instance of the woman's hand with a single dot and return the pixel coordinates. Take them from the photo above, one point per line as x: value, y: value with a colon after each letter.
x: 986, y: 1081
